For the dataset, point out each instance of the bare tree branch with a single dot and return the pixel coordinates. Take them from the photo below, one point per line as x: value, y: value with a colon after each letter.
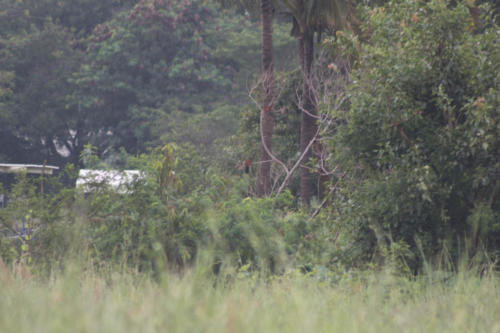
x: 332, y: 188
x: 331, y: 92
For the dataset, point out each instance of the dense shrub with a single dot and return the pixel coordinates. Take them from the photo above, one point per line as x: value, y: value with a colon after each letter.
x: 420, y: 140
x: 156, y: 224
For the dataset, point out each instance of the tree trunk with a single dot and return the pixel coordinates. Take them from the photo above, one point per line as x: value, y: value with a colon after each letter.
x: 308, y: 125
x: 266, y: 114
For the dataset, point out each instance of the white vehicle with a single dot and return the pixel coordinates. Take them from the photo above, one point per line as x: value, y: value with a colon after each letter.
x: 119, y: 181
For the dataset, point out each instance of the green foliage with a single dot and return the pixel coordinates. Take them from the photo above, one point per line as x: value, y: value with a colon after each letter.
x: 238, y: 43
x: 204, y: 138
x: 35, y: 115
x: 35, y: 227
x: 147, y: 62
x: 41, y: 46
x: 142, y: 229
x: 420, y: 140
x: 78, y: 15
x: 125, y: 74
x: 246, y: 233
x: 156, y: 223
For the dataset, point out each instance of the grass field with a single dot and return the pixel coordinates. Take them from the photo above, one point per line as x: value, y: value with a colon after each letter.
x: 79, y: 301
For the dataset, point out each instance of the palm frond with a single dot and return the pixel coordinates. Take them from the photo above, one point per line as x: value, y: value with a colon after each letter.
x: 320, y: 14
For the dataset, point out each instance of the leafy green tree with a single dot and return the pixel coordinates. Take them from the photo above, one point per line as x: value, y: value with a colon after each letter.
x: 145, y: 63
x: 35, y: 114
x: 81, y: 16
x: 40, y: 48
x: 420, y: 140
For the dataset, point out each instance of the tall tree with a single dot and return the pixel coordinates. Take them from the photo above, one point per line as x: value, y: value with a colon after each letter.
x: 266, y: 116
x: 312, y: 17
x: 263, y: 180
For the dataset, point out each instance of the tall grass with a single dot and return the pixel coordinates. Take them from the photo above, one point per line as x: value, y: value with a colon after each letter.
x: 112, y: 301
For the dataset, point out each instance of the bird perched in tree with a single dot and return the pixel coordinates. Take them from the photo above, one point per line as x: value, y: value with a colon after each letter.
x: 248, y: 162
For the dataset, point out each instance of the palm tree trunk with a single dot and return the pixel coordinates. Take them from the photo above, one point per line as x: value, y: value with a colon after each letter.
x: 308, y: 125
x: 266, y: 113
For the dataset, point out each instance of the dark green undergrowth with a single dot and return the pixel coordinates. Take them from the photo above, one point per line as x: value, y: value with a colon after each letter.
x: 159, y: 226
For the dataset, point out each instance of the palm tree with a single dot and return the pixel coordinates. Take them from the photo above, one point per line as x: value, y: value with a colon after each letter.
x: 263, y: 181
x: 312, y: 17
x: 266, y: 116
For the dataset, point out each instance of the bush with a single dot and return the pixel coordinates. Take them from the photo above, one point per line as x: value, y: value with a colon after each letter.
x: 420, y: 139
x: 157, y: 224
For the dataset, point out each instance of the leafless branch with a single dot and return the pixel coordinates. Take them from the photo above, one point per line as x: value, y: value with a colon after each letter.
x: 329, y: 92
x: 297, y: 163
x: 332, y: 189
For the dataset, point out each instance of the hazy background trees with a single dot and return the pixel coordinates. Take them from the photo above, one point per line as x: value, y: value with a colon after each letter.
x: 122, y: 74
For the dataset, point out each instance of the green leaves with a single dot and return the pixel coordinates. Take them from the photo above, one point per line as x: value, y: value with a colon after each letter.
x: 424, y: 100
x: 148, y: 62
x: 36, y: 67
